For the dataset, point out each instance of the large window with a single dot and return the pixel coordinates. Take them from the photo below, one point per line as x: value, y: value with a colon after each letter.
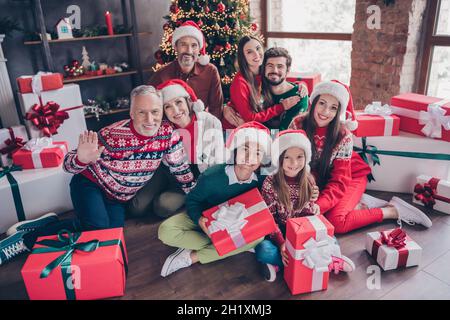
x: 317, y: 34
x: 435, y: 71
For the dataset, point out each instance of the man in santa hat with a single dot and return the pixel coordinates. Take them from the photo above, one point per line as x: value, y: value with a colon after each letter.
x: 192, y: 66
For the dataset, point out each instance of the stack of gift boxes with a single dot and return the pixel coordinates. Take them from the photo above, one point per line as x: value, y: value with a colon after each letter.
x: 32, y: 181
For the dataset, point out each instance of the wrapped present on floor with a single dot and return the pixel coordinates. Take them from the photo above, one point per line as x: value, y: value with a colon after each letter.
x: 56, y: 113
x: 311, y: 79
x: 42, y: 81
x: 423, y: 115
x: 397, y: 161
x: 376, y: 121
x: 432, y: 193
x: 11, y: 140
x: 310, y: 245
x: 239, y: 221
x: 77, y: 266
x: 41, y: 153
x: 393, y: 249
x: 28, y: 194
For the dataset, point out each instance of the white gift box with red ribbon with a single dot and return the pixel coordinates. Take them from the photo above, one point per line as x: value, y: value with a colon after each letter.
x: 11, y: 140
x: 432, y: 193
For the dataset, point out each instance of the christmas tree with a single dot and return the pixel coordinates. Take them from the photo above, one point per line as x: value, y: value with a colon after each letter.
x: 222, y: 22
x: 85, y: 57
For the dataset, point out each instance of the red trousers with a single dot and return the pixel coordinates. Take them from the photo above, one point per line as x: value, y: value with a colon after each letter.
x: 343, y: 216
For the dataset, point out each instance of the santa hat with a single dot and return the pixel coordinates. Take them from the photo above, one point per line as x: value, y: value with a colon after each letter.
x: 249, y: 132
x: 342, y: 93
x: 178, y: 88
x: 291, y: 138
x: 191, y: 29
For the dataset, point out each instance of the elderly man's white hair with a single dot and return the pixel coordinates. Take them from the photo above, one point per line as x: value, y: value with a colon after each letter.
x: 144, y: 90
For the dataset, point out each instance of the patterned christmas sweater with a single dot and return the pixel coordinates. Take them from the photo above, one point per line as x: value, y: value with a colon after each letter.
x: 130, y: 159
x: 340, y: 162
x: 280, y: 212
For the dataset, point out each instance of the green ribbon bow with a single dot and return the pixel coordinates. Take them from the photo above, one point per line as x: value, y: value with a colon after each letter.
x: 68, y: 243
x: 374, y: 153
x: 6, y: 171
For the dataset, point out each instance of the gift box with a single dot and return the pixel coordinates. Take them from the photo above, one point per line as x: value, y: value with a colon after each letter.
x: 393, y: 249
x: 11, y: 140
x: 42, y: 81
x: 77, y: 266
x: 28, y: 194
x: 57, y: 113
x: 310, y: 245
x: 41, y: 153
x: 239, y: 221
x: 376, y: 125
x: 423, y: 115
x: 311, y: 79
x: 397, y: 161
x: 432, y: 193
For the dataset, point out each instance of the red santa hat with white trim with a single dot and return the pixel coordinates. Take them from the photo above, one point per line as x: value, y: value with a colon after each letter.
x: 191, y: 29
x: 342, y: 93
x: 291, y: 138
x: 175, y: 88
x: 249, y: 132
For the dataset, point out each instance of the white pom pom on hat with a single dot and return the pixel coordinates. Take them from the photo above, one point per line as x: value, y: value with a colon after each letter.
x: 191, y: 29
x: 175, y: 88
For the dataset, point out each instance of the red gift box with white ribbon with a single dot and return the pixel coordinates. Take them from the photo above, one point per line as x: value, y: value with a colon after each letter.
x: 239, y: 221
x: 41, y: 153
x: 393, y: 249
x: 310, y: 245
x: 377, y: 121
x: 423, y: 115
x: 432, y: 193
x: 310, y: 79
x: 42, y: 81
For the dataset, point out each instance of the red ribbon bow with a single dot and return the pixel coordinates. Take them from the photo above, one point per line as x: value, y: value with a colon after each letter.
x: 396, y: 238
x: 12, y: 144
x: 426, y: 194
x: 47, y: 118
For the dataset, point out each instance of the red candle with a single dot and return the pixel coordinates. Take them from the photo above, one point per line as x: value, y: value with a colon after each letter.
x: 109, y: 23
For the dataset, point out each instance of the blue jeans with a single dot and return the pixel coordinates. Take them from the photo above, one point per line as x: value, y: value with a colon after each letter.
x: 268, y: 252
x: 93, y: 208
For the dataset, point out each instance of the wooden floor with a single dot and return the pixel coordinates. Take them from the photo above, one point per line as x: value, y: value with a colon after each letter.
x: 238, y: 278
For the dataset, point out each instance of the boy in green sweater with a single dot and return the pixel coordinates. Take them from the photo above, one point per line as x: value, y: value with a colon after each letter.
x: 275, y: 88
x: 246, y: 147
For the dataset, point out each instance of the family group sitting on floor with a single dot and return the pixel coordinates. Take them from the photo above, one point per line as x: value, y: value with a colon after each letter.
x: 307, y: 168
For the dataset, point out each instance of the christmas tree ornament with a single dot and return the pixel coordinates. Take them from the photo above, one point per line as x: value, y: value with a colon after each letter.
x: 228, y: 46
x: 174, y: 9
x: 222, y: 61
x: 199, y: 23
x: 221, y: 7
x: 254, y: 26
x: 166, y: 26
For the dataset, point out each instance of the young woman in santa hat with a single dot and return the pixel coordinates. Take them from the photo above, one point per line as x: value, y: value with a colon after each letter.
x: 201, y: 131
x: 245, y: 91
x: 288, y: 194
x: 341, y: 174
x: 247, y: 147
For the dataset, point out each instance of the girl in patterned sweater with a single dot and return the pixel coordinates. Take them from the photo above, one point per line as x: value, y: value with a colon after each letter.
x: 289, y: 194
x: 341, y: 174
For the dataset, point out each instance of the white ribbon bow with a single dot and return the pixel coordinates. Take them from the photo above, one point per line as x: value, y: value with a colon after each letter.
x: 37, y: 144
x: 36, y: 82
x: 230, y: 218
x: 375, y: 108
x: 434, y: 120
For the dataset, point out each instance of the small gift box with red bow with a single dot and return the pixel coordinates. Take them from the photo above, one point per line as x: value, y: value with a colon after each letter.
x: 41, y: 153
x: 377, y: 121
x: 310, y: 79
x: 393, y: 249
x: 432, y: 193
x: 42, y: 81
x: 77, y: 266
x: 56, y: 113
x: 239, y: 221
x: 11, y: 140
x: 423, y: 115
x: 310, y: 245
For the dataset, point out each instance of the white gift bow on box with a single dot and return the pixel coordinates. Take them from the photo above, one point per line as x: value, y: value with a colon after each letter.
x: 434, y: 120
x: 375, y: 108
x: 36, y: 145
x: 232, y: 219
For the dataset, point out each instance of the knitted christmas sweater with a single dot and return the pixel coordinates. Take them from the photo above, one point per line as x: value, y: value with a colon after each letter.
x: 280, y: 212
x: 130, y: 159
x: 340, y: 162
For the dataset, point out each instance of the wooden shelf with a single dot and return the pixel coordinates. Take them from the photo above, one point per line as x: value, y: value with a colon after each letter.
x: 114, y: 111
x: 88, y: 38
x: 85, y: 78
